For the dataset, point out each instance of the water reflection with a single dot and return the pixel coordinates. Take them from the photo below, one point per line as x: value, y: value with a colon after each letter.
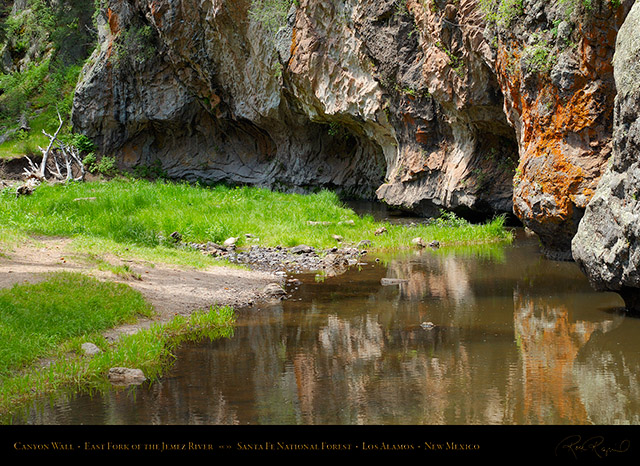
x: 517, y: 340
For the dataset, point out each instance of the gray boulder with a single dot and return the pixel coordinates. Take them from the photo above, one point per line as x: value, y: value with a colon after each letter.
x: 606, y: 245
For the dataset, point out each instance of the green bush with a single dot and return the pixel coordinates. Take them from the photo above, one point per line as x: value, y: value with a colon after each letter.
x: 107, y: 166
x: 90, y: 162
x: 57, y: 38
x: 271, y: 14
x: 134, y: 45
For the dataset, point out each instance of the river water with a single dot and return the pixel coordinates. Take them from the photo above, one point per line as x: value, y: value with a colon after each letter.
x: 477, y: 335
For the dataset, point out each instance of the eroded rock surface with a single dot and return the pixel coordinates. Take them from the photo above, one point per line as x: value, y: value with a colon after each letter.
x: 553, y: 62
x: 475, y: 106
x: 606, y: 246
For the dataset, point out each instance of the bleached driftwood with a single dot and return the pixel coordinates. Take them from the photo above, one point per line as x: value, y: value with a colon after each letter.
x: 59, y: 160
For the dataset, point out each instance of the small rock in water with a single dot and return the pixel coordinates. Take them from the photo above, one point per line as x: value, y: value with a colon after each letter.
x: 419, y: 242
x: 392, y: 281
x: 335, y: 261
x: 427, y: 325
x: 126, y: 376
x: 274, y: 290
x: 434, y: 244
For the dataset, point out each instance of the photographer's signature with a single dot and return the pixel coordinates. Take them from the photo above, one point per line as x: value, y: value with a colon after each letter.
x: 596, y: 445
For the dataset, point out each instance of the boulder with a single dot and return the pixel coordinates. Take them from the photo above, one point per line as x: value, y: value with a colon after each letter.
x: 90, y: 349
x: 418, y: 242
x: 335, y: 261
x: 607, y: 244
x: 230, y: 242
x: 274, y: 290
x: 301, y: 249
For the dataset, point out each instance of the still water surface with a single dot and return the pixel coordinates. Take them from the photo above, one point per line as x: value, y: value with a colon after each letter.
x: 518, y: 339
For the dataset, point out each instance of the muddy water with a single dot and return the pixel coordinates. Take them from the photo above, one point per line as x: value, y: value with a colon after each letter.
x: 516, y: 339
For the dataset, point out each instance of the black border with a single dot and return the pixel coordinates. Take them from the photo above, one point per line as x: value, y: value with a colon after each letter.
x: 559, y: 443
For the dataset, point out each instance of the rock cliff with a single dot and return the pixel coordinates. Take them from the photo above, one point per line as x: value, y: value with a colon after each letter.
x: 476, y: 106
x: 360, y: 96
x: 553, y: 60
x: 606, y: 245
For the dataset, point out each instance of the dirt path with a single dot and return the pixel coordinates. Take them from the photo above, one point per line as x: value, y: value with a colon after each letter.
x: 172, y: 290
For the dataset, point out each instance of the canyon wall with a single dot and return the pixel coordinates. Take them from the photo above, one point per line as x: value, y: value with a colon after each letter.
x: 553, y: 60
x: 481, y: 107
x: 606, y: 246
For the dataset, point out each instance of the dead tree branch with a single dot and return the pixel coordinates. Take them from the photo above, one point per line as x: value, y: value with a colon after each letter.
x: 60, y: 161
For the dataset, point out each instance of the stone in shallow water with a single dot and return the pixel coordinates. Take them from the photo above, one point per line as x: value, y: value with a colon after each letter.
x: 392, y: 281
x: 126, y: 376
x: 419, y: 242
x: 274, y: 290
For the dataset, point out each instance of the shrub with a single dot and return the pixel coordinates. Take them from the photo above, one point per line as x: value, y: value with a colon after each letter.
x: 107, y: 166
x: 271, y: 14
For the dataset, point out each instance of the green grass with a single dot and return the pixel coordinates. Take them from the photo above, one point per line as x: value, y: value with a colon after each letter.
x: 36, y: 318
x: 140, y: 215
x: 43, y: 331
x: 134, y: 218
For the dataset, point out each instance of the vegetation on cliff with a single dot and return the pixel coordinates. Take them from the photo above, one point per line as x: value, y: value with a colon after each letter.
x: 42, y: 50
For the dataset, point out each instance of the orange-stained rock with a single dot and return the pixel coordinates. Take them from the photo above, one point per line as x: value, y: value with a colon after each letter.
x: 562, y: 109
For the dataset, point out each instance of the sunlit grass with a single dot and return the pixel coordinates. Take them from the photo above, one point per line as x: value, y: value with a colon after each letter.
x: 37, y: 323
x: 34, y: 318
x: 142, y: 214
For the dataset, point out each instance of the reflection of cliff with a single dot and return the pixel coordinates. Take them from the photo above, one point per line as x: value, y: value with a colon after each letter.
x: 607, y: 373
x: 549, y: 343
x: 446, y: 277
x: 516, y: 341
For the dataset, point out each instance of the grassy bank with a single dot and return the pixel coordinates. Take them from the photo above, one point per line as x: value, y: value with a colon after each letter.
x: 50, y: 321
x: 142, y: 215
x: 134, y: 219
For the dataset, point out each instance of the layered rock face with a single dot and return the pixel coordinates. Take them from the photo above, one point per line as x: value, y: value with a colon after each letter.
x: 456, y: 149
x: 476, y: 106
x: 200, y: 88
x: 359, y: 96
x: 607, y: 244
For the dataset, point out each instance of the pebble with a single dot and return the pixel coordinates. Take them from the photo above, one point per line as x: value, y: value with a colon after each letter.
x: 90, y: 349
